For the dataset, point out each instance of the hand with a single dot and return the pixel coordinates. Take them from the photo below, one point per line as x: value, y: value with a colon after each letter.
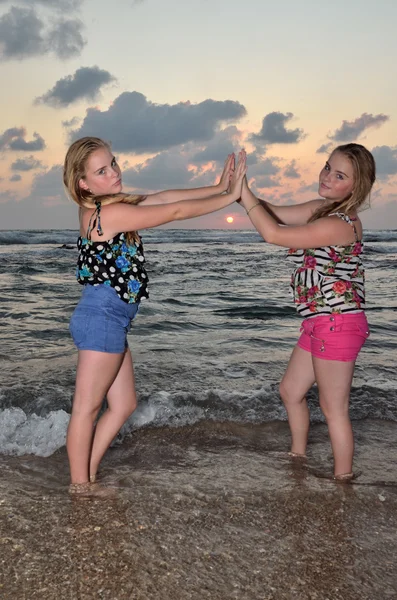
x: 228, y: 169
x: 239, y: 173
x: 245, y: 189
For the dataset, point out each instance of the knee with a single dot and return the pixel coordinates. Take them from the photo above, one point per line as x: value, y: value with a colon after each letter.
x: 287, y: 394
x: 332, y: 410
x: 85, y: 408
x: 128, y: 409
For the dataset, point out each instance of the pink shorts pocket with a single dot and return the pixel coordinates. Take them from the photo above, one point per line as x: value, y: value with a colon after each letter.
x: 335, y: 336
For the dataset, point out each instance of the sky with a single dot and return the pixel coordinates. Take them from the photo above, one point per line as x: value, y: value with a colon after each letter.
x: 176, y: 85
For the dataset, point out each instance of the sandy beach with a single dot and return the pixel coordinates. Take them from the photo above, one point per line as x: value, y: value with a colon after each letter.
x: 203, y: 512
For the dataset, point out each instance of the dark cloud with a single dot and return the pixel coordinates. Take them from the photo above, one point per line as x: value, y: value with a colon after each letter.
x: 380, y: 215
x: 26, y: 164
x: 166, y: 170
x: 290, y: 171
x: 11, y: 134
x: 52, y: 4
x: 14, y: 139
x: 65, y: 39
x: 274, y: 130
x: 266, y: 182
x: 312, y: 187
x: 47, y: 205
x: 24, y: 34
x: 263, y: 171
x: 351, y: 130
x: 21, y: 144
x: 135, y: 125
x: 15, y: 177
x: 264, y: 166
x: 220, y: 146
x: 71, y: 123
x: 86, y: 83
x: 386, y: 160
x: 253, y: 158
x: 21, y: 33
x: 6, y: 198
x: 325, y: 148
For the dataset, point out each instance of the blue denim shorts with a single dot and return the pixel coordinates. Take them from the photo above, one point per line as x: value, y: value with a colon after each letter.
x: 101, y: 320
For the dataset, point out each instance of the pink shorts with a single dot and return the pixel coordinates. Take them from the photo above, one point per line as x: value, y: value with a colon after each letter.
x: 335, y: 336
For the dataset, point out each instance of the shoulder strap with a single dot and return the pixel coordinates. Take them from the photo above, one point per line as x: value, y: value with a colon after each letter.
x: 94, y: 219
x: 348, y: 220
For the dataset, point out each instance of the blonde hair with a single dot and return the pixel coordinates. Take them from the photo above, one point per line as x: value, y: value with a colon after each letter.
x: 364, y: 170
x: 74, y: 169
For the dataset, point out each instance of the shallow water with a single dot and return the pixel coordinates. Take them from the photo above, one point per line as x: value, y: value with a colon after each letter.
x: 205, y: 502
x: 207, y: 511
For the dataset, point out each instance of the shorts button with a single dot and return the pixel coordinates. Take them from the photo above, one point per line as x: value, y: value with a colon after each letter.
x: 331, y: 328
x: 332, y: 319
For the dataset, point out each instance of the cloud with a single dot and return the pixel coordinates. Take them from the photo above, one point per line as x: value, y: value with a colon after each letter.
x: 47, y: 205
x: 290, y: 171
x: 166, y: 170
x: 325, y: 148
x: 220, y: 146
x: 65, y: 39
x: 71, y: 122
x: 84, y: 83
x: 386, y: 160
x: 14, y: 139
x: 52, y: 4
x: 312, y: 187
x: 24, y: 34
x: 262, y: 171
x: 351, y: 130
x: 15, y: 177
x: 274, y: 130
x: 26, y: 164
x: 380, y: 215
x: 136, y: 125
x: 6, y: 197
x: 10, y: 134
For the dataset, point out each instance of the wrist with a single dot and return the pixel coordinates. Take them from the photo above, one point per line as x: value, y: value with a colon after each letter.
x: 248, y: 209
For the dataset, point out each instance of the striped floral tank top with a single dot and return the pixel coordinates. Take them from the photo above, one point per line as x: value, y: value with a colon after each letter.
x: 329, y: 279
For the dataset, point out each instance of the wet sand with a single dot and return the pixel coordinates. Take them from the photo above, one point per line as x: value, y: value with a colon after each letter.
x: 210, y: 511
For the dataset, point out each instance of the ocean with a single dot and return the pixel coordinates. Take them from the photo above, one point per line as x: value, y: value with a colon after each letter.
x: 209, y: 347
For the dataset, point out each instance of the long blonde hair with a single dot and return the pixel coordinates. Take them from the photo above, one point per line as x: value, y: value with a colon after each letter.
x: 74, y: 169
x: 364, y: 169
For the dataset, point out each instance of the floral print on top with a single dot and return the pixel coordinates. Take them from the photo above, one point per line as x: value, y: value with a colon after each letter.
x: 329, y: 279
x: 115, y: 263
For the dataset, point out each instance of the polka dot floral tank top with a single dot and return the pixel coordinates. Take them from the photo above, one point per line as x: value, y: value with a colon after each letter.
x: 115, y: 263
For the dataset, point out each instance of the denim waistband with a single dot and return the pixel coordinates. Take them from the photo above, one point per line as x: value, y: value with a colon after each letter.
x: 103, y: 295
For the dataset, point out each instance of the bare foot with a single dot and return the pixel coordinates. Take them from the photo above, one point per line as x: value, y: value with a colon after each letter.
x: 296, y: 455
x: 91, y: 490
x: 344, y: 477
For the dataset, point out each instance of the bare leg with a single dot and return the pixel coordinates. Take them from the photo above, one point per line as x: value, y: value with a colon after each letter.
x: 298, y: 379
x: 334, y: 379
x: 96, y: 372
x: 122, y: 402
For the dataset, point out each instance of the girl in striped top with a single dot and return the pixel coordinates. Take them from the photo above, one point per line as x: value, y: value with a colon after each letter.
x: 324, y: 238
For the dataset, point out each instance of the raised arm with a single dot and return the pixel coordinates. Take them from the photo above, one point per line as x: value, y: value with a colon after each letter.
x: 295, y: 214
x: 126, y: 217
x: 168, y: 196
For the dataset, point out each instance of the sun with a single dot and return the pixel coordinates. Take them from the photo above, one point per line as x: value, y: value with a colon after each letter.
x: 229, y: 219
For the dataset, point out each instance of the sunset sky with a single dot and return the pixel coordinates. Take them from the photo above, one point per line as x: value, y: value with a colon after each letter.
x: 175, y: 85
